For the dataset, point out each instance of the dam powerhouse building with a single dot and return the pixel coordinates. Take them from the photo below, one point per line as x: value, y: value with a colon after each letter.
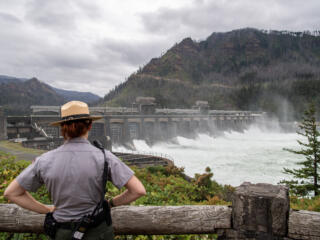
x: 121, y: 125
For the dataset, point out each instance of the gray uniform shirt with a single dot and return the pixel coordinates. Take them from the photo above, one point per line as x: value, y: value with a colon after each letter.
x: 72, y: 174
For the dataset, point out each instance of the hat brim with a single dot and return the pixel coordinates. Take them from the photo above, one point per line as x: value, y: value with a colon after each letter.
x: 58, y: 123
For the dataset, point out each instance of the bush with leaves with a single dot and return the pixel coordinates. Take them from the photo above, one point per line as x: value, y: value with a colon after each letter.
x: 165, y: 186
x: 9, y: 170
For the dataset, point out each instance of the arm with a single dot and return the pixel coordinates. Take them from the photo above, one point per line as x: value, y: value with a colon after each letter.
x: 17, y: 194
x: 135, y: 189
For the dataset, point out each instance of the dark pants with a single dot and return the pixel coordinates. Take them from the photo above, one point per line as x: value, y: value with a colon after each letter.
x: 101, y: 232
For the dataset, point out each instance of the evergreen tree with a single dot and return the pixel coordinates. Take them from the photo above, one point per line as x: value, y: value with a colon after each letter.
x: 306, y: 179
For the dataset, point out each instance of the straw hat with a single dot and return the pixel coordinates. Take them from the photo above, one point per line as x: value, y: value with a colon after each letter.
x: 74, y: 110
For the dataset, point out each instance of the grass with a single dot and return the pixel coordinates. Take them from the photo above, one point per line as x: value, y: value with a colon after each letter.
x: 18, y: 147
x: 309, y: 204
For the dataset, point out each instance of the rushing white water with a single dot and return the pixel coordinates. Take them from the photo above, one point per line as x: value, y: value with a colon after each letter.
x: 256, y: 155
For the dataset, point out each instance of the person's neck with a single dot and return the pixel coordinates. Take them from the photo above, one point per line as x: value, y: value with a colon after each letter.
x: 84, y: 136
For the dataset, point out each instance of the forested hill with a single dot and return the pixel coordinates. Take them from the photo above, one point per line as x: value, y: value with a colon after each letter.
x: 17, y: 97
x: 247, y: 69
x: 18, y: 94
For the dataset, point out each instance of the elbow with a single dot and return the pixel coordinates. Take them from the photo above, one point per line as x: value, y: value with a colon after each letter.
x: 136, y: 188
x: 7, y: 195
x: 142, y: 192
x: 13, y: 191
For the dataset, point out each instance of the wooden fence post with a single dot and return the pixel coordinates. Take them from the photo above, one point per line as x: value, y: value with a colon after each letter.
x: 260, y: 211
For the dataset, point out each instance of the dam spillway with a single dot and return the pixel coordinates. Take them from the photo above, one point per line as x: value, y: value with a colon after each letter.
x: 121, y: 125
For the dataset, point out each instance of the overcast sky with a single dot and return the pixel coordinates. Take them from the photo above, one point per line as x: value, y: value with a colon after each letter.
x: 94, y: 45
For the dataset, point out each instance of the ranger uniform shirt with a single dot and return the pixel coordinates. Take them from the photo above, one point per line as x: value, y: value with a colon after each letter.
x: 73, y: 174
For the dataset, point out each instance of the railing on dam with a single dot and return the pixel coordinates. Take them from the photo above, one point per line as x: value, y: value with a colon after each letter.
x: 135, y: 110
x: 209, y: 112
x: 101, y: 110
x: 177, y: 111
x: 259, y: 211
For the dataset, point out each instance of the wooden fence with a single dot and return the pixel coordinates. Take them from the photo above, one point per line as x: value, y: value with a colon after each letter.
x: 259, y: 211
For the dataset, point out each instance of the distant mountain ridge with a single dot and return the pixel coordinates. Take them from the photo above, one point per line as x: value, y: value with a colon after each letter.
x: 18, y: 94
x: 246, y: 69
x: 68, y: 95
x: 8, y: 79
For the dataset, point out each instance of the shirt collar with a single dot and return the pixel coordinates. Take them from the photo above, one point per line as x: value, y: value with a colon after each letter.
x: 77, y: 140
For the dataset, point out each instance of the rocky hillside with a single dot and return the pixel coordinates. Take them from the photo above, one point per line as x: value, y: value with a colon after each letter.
x: 17, y: 95
x: 245, y: 69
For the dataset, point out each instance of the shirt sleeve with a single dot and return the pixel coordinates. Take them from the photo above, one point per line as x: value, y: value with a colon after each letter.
x: 30, y: 178
x: 119, y: 173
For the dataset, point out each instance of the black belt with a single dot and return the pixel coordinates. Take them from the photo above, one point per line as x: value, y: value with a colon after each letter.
x: 68, y: 225
x: 98, y: 219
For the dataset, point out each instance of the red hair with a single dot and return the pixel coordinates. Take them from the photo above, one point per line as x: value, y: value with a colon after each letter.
x: 74, y: 129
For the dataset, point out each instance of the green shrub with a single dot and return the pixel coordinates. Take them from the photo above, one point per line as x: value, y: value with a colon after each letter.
x: 164, y: 186
x: 310, y: 204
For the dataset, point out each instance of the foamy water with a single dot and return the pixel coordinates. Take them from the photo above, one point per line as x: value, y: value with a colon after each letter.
x: 256, y: 155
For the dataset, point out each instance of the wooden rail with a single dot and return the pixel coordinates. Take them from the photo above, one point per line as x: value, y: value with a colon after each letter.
x: 304, y: 225
x: 259, y: 211
x: 133, y: 220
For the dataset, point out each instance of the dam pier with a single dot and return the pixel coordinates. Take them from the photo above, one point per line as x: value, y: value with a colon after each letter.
x: 121, y: 125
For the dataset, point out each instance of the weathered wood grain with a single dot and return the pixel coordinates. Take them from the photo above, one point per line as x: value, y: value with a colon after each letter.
x: 261, y: 208
x: 304, y: 225
x: 165, y: 220
x: 16, y: 219
x: 133, y: 220
x: 170, y: 219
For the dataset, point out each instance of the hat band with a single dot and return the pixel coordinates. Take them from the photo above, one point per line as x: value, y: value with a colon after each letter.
x: 74, y: 117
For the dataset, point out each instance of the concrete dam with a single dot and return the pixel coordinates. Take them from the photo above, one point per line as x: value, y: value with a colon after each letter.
x: 119, y: 126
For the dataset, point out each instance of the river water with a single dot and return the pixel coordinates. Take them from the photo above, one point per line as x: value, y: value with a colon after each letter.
x: 255, y: 156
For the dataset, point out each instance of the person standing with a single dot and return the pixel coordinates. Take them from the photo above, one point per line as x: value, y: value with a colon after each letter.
x: 74, y: 174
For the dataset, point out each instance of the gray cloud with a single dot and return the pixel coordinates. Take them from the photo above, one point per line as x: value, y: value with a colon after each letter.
x: 90, y: 9
x: 68, y: 57
x: 61, y: 15
x: 9, y: 18
x: 56, y: 15
x: 133, y: 53
x: 66, y: 43
x: 201, y: 19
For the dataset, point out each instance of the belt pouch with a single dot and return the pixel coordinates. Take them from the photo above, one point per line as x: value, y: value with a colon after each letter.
x: 50, y: 225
